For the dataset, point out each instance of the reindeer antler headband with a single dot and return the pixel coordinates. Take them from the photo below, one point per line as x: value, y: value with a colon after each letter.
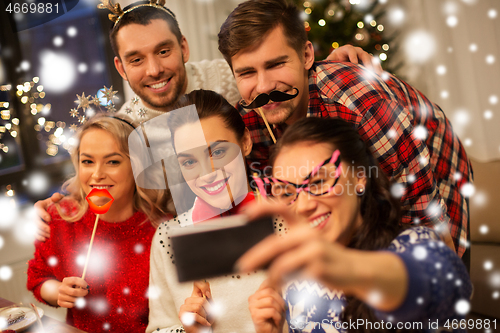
x: 117, y: 12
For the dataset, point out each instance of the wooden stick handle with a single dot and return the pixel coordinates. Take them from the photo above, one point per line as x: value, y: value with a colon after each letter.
x: 90, y: 247
x: 267, y: 124
x: 257, y: 192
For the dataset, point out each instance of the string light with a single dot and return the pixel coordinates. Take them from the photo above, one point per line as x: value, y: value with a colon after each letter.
x: 27, y: 93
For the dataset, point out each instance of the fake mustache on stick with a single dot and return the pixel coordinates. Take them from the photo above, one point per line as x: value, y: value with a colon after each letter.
x: 273, y: 96
x: 262, y: 99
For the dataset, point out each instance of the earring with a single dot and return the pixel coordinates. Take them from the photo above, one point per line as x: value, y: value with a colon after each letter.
x: 360, y: 191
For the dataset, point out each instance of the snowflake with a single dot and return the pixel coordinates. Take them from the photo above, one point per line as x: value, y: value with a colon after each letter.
x: 138, y: 248
x: 128, y: 110
x: 419, y: 252
x: 441, y: 70
x: 452, y: 21
x: 397, y: 190
x: 5, y: 273
x: 411, y: 178
x: 135, y: 100
x: 52, y: 261
x: 80, y: 303
x: 420, y: 132
x: 462, y: 307
x: 488, y: 265
x: 187, y: 318
x: 467, y: 190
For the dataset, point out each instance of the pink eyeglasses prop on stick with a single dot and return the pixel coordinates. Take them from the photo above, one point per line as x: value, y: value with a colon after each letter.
x: 101, y: 195
x: 262, y: 99
x: 320, y: 181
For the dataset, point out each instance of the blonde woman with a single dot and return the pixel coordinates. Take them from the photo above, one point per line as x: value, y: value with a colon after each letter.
x: 113, y: 296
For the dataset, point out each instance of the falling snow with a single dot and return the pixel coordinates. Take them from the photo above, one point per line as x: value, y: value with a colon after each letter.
x: 462, y: 307
x: 5, y: 273
x: 483, y: 229
x: 420, y: 132
x: 419, y: 46
x: 467, y: 190
x: 420, y: 252
x: 52, y: 261
x: 397, y: 190
x: 138, y: 248
x: 187, y: 318
x: 374, y: 297
x: 80, y: 303
x: 488, y: 265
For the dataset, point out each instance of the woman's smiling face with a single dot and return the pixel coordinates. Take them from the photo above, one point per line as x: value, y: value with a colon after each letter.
x: 336, y: 213
x: 211, y: 161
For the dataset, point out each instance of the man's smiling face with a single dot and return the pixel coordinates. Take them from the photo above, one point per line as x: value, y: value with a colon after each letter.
x: 152, y: 61
x: 274, y: 65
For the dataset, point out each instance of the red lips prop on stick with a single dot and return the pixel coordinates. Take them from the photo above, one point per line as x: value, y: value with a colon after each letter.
x: 96, y: 210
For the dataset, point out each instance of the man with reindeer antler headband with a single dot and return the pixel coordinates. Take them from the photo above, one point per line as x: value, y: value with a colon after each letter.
x: 268, y: 51
x: 152, y: 54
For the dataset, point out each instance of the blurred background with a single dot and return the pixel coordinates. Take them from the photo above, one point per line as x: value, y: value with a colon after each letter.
x: 448, y: 49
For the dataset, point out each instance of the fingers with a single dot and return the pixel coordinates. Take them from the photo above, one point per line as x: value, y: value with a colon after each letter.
x: 353, y: 54
x: 195, y: 310
x: 43, y: 230
x: 70, y: 290
x: 41, y: 209
x: 201, y: 288
x: 272, y: 247
x: 56, y: 197
x: 265, y: 306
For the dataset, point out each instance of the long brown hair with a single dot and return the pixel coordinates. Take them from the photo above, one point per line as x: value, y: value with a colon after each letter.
x: 379, y: 209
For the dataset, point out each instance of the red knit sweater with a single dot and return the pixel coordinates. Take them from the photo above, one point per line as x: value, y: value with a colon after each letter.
x: 117, y: 274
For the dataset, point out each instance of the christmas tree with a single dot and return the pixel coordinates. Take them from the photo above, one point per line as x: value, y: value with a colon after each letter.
x: 333, y: 23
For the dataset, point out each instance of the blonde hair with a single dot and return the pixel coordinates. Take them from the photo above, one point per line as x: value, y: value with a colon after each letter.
x: 153, y: 203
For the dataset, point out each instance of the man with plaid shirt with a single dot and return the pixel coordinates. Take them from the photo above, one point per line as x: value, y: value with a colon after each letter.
x: 266, y: 46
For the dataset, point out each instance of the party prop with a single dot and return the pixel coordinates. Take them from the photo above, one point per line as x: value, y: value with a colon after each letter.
x: 96, y: 210
x: 262, y: 99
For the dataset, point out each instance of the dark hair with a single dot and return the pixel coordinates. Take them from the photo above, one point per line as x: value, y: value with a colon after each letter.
x: 379, y: 209
x: 143, y: 16
x: 208, y: 104
x: 252, y: 20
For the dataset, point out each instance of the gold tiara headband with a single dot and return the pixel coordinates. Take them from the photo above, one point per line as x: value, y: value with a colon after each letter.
x: 117, y: 12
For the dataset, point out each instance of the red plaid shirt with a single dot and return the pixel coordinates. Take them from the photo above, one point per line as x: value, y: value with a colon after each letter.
x: 386, y: 114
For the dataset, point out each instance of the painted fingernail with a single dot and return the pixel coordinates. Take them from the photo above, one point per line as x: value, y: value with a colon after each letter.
x: 209, y: 295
